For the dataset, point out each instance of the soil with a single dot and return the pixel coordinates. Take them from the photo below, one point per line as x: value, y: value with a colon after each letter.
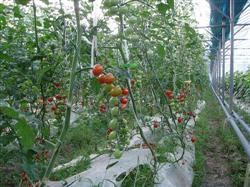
x: 217, y: 169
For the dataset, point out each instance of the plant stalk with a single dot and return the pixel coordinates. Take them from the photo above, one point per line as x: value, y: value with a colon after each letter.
x: 70, y: 96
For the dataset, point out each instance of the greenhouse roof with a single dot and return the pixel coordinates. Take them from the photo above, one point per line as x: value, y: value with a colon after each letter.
x: 220, y: 9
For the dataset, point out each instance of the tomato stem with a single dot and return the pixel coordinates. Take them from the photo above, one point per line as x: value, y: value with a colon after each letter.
x: 70, y: 96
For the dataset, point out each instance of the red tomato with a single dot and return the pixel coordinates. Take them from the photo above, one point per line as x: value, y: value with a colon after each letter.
x: 24, y: 176
x: 193, y: 139
x: 124, y: 100
x: 58, y: 97
x: 102, y: 108
x: 50, y: 99
x: 109, y: 78
x: 179, y: 120
x: 123, y: 106
x: 97, y: 70
x: 125, y: 91
x: 46, y: 154
x: 57, y: 84
x: 53, y: 108
x: 169, y: 94
x: 102, y: 79
x: 109, y: 130
x: 155, y: 124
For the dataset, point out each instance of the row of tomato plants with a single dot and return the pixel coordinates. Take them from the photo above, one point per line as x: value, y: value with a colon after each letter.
x: 153, y: 66
x: 241, y: 85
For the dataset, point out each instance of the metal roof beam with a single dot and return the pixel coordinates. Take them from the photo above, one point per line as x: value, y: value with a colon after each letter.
x: 211, y: 26
x: 218, y: 10
x: 238, y: 15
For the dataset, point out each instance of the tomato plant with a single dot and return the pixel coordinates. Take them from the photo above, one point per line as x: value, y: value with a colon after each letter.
x: 58, y: 86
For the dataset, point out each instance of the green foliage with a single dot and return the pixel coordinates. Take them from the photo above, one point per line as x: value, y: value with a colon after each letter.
x: 241, y: 85
x: 142, y: 175
x: 36, y: 54
x: 22, y: 2
x: 25, y: 134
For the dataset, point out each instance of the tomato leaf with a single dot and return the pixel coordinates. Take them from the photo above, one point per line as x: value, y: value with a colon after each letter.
x: 25, y: 133
x: 8, y: 111
x: 171, y: 3
x: 129, y: 65
x: 161, y: 51
x: 17, y: 12
x: 22, y: 2
x: 45, y: 1
x: 162, y: 8
x: 96, y: 86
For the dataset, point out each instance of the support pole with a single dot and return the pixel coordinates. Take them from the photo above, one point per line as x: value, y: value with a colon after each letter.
x: 219, y: 70
x: 223, y: 57
x: 247, y: 177
x: 217, y: 74
x: 231, y: 55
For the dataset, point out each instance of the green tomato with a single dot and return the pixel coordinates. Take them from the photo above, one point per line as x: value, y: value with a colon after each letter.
x: 123, y: 10
x: 108, y: 87
x: 124, y: 121
x: 112, y: 11
x: 110, y: 3
x: 114, y: 101
x: 113, y: 123
x: 115, y: 111
x: 112, y: 135
x: 127, y: 142
x: 117, y: 154
x: 172, y: 104
x: 132, y: 20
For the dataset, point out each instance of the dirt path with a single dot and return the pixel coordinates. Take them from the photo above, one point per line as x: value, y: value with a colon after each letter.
x: 217, y: 170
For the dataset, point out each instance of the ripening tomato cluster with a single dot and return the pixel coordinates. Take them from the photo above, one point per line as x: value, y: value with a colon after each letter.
x: 42, y: 156
x: 107, y: 80
x: 57, y: 104
x: 180, y: 97
x: 117, y: 130
x: 155, y: 124
x: 25, y: 179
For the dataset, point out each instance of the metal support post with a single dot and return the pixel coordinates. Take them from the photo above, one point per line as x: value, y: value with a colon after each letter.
x: 231, y: 55
x: 223, y: 58
x: 219, y: 69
